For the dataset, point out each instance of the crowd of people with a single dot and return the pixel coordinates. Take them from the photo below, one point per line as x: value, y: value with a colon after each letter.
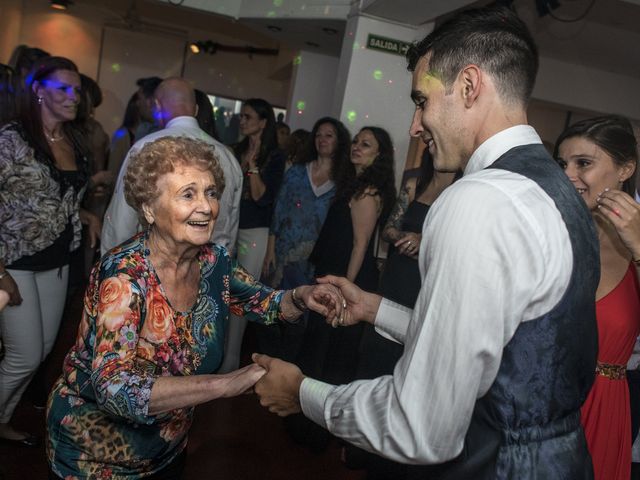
x: 491, y: 341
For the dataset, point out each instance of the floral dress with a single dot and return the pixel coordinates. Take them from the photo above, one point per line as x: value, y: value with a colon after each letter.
x: 98, y: 418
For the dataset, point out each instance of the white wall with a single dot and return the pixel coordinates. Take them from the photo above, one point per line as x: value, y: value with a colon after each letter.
x: 76, y: 34
x: 586, y: 88
x: 372, y: 87
x: 313, y: 88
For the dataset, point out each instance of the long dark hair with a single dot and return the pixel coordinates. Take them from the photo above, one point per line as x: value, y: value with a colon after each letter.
x: 268, y: 138
x: 206, y: 119
x: 29, y: 112
x: 342, y: 172
x: 379, y: 175
x: 614, y: 135
x: 30, y: 120
x: 7, y: 94
x: 131, y: 115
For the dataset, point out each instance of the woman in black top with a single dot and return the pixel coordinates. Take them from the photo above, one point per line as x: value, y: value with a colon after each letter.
x: 43, y: 176
x: 263, y: 166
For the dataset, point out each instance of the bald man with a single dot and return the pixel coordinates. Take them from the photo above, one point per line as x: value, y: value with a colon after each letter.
x: 175, y: 110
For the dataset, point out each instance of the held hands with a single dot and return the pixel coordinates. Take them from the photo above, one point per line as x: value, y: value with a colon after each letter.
x: 242, y: 380
x: 358, y: 305
x: 409, y: 244
x: 624, y: 213
x: 279, y: 388
x: 324, y: 299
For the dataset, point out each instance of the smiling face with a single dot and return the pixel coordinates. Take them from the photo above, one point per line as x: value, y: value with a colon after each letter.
x: 364, y: 149
x: 250, y: 122
x: 60, y: 93
x: 326, y: 140
x: 437, y: 119
x: 186, y: 210
x: 591, y: 169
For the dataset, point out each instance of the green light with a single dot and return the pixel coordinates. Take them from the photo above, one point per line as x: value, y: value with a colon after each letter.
x: 115, y: 67
x: 277, y: 3
x: 356, y: 45
x: 351, y: 116
x: 271, y: 14
x: 377, y: 74
x: 297, y: 60
x: 300, y: 105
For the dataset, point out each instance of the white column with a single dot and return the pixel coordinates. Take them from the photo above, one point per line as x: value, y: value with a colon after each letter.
x: 373, y: 87
x: 312, y: 89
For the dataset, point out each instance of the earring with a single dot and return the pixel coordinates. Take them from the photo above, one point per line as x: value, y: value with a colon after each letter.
x: 39, y: 100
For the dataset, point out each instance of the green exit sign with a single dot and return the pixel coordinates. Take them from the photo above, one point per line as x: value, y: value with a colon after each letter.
x: 384, y: 44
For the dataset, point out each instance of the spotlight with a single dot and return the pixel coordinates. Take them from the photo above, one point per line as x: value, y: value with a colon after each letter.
x: 61, y: 4
x: 194, y: 47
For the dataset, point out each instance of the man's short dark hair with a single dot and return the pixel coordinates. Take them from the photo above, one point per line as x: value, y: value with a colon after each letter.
x: 493, y: 38
x: 148, y: 85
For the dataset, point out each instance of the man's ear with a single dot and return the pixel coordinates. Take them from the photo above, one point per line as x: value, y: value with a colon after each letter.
x: 471, y: 81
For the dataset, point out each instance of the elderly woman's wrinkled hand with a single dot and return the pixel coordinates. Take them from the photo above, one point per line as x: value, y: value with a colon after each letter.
x: 324, y: 299
x: 242, y: 380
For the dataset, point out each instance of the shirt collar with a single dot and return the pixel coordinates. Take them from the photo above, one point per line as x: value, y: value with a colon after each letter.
x: 183, y: 121
x: 500, y: 143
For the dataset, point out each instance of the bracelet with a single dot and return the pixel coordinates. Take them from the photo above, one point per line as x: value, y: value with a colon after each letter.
x: 4, y: 274
x: 253, y: 171
x: 298, y: 303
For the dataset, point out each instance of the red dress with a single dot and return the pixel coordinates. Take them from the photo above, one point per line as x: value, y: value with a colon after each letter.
x: 606, y: 415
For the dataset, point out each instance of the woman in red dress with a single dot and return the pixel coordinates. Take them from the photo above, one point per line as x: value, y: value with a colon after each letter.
x: 600, y: 156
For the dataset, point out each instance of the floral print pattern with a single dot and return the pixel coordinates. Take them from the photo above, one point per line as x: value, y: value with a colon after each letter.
x: 98, y: 417
x: 33, y: 209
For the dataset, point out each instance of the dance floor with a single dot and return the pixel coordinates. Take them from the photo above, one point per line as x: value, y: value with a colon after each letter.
x: 232, y: 439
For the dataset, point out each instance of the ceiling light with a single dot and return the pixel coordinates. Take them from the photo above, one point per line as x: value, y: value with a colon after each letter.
x: 329, y: 30
x: 312, y: 44
x: 274, y: 28
x: 194, y: 47
x: 61, y: 4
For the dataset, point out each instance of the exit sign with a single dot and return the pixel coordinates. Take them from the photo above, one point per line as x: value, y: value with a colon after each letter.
x: 384, y: 44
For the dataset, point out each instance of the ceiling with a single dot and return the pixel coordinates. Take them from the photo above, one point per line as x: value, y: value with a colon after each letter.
x: 607, y: 38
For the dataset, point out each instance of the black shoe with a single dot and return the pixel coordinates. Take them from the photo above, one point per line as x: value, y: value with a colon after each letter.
x: 29, y: 441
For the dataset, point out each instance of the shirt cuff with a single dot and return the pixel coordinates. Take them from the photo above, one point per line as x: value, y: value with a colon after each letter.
x: 392, y: 320
x: 313, y: 396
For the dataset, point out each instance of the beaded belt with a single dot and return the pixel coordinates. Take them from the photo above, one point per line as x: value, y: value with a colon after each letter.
x: 611, y: 371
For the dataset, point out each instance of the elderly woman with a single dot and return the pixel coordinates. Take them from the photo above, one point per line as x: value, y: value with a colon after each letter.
x: 43, y: 176
x: 152, y: 329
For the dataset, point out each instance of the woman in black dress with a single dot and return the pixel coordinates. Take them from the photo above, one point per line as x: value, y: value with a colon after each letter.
x: 345, y: 247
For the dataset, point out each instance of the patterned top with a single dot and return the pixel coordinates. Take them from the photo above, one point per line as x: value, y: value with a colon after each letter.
x: 298, y: 216
x: 35, y: 203
x: 99, y: 424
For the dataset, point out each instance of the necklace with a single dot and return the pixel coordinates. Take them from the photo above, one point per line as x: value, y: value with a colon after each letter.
x: 51, y: 138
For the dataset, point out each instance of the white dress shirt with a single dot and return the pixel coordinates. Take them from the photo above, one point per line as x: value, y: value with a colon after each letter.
x: 121, y: 221
x: 495, y: 253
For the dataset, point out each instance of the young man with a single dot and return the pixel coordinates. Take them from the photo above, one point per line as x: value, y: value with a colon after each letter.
x: 500, y: 349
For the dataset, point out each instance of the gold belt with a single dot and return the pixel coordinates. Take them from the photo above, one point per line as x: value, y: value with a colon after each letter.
x: 611, y: 371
